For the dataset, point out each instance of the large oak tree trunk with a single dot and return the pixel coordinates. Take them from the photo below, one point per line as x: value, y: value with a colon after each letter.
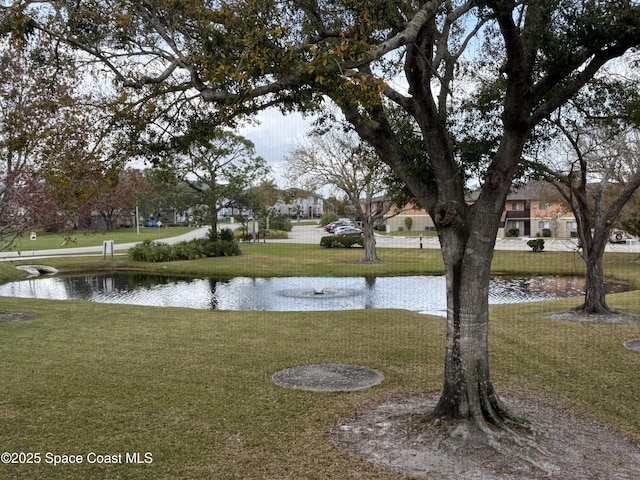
x: 468, y: 392
x: 369, y: 243
x: 595, y: 286
x: 595, y: 289
x: 467, y: 237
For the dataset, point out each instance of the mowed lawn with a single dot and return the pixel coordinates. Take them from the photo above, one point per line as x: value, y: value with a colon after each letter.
x: 51, y: 240
x: 190, y: 391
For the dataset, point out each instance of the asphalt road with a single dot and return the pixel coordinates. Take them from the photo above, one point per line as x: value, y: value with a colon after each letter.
x: 312, y: 234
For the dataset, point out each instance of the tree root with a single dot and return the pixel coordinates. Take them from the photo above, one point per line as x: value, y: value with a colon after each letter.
x: 585, y: 309
x: 512, y: 443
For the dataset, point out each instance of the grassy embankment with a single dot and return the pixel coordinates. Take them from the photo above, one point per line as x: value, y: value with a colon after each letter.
x: 193, y: 388
x: 51, y: 240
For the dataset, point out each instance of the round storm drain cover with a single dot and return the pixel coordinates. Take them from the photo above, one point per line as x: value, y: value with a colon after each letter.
x: 328, y: 377
x: 633, y: 344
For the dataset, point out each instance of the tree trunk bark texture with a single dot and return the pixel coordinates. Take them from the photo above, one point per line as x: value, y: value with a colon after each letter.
x: 468, y: 392
x: 369, y: 243
x: 595, y: 287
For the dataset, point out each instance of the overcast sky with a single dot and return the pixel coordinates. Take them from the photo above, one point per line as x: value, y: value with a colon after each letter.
x: 275, y: 137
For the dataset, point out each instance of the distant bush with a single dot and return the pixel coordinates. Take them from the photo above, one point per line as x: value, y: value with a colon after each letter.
x: 536, y: 244
x: 276, y: 222
x: 241, y: 234
x: 408, y: 222
x: 226, y: 234
x: 546, y: 232
x: 340, y: 242
x: 150, y: 251
x: 275, y: 234
x: 381, y: 228
x: 513, y: 232
x: 328, y: 218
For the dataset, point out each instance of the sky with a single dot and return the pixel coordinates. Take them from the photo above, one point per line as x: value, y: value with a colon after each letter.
x: 275, y: 137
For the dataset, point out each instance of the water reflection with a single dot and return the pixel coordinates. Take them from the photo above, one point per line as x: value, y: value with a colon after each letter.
x: 424, y: 294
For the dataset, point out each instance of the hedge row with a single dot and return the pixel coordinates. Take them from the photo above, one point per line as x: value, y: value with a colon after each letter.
x: 149, y: 251
x: 340, y: 242
x: 242, y: 235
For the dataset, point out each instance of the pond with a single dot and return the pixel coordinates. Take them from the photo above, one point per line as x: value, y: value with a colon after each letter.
x: 424, y: 294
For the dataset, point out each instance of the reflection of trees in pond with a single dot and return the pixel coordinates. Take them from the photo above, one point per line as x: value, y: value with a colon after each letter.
x: 213, y: 282
x: 286, y: 294
x: 142, y: 280
x: 369, y: 298
x: 86, y: 286
x: 509, y: 288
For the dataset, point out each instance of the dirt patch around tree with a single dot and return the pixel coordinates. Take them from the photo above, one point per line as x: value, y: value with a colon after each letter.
x: 616, y: 317
x: 6, y: 316
x: 566, y: 446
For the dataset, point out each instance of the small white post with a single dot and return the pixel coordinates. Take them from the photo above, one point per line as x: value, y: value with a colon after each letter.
x: 107, y: 247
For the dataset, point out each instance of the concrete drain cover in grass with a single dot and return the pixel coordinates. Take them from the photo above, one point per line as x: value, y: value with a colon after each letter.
x: 15, y: 316
x: 633, y: 344
x: 328, y: 377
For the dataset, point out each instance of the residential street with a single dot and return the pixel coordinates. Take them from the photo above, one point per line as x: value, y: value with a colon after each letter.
x: 312, y: 234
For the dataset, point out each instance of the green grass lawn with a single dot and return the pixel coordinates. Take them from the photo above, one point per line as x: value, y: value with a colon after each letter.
x: 193, y: 387
x: 273, y: 259
x: 50, y: 240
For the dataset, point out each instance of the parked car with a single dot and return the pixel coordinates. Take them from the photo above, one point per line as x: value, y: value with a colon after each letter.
x: 151, y: 224
x: 349, y: 232
x: 329, y: 226
x: 340, y: 223
x: 338, y: 228
x: 618, y: 236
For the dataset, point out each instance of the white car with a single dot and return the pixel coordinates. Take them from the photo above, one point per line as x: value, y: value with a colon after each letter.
x: 348, y: 232
x: 618, y: 236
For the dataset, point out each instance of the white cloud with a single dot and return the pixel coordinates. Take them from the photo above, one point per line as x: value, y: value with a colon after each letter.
x: 276, y: 134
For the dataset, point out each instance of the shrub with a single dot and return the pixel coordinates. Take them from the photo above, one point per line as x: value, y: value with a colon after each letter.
x: 149, y: 251
x: 221, y: 248
x: 546, y: 232
x: 226, y: 234
x: 408, y: 222
x: 340, y: 242
x: 513, y: 232
x: 381, y: 228
x: 275, y: 234
x: 141, y: 251
x: 276, y: 222
x: 536, y: 244
x: 328, y: 218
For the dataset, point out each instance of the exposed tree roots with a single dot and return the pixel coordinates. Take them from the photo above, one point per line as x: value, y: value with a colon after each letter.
x: 612, y: 317
x: 507, y: 435
x: 595, y: 309
x: 402, y: 433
